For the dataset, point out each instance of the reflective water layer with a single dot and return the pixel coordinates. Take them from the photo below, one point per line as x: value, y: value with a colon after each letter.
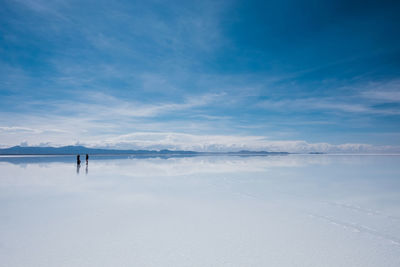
x: 294, y: 210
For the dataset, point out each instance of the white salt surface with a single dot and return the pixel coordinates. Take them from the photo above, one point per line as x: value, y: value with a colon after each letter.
x: 296, y: 210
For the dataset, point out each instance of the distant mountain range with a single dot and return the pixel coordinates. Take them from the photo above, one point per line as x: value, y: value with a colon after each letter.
x: 74, y: 150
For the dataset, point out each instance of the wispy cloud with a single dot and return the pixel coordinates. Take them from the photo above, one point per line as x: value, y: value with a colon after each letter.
x: 18, y: 129
x: 359, y: 98
x: 388, y: 96
x: 102, y: 106
x: 324, y: 104
x: 100, y: 115
x: 43, y: 7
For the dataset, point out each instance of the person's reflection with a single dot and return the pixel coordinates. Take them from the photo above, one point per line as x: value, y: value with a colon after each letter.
x: 87, y: 168
x: 78, y: 168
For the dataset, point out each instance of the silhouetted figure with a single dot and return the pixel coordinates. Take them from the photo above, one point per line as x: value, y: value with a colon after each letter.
x: 87, y: 159
x: 78, y: 159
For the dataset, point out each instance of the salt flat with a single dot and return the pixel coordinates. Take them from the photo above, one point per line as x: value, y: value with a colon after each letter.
x: 295, y: 210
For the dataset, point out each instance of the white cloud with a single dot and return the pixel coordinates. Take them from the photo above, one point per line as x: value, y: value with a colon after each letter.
x: 181, y: 141
x: 220, y: 143
x: 106, y: 121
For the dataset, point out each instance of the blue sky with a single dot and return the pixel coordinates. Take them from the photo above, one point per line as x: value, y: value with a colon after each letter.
x: 206, y: 75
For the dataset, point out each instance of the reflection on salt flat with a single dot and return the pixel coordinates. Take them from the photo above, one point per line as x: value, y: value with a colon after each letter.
x: 311, y: 210
x: 191, y: 164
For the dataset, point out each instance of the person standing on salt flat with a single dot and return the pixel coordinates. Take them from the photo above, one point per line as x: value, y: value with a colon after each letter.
x: 87, y: 159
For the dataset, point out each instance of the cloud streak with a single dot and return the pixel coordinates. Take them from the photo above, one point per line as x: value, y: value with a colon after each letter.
x: 361, y: 98
x: 102, y: 106
x: 325, y: 104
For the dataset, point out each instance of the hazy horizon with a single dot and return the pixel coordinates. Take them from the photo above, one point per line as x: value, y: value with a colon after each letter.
x: 332, y: 152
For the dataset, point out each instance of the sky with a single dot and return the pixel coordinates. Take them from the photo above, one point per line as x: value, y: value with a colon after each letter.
x: 288, y: 75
